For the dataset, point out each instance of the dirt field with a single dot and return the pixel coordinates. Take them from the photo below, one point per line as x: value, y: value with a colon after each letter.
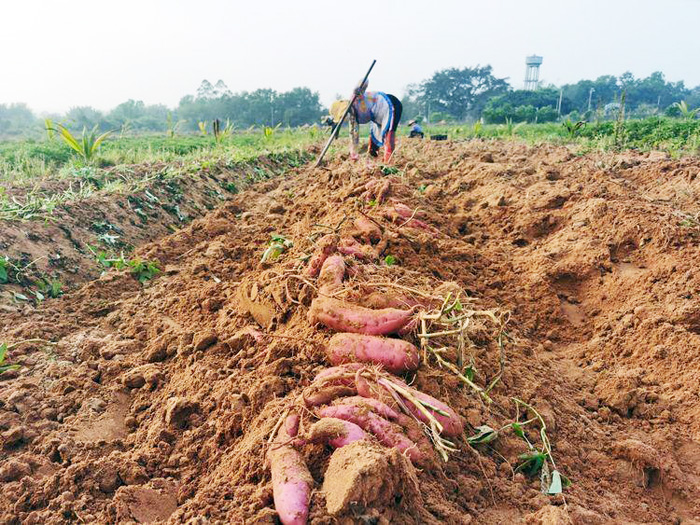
x: 156, y: 402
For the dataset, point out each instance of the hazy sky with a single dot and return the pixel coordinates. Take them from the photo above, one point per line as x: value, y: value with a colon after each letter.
x: 56, y: 55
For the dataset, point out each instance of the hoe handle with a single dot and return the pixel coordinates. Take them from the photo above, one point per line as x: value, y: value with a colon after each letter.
x: 345, y: 114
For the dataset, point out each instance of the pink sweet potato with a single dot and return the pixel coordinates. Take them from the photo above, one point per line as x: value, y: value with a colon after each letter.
x: 388, y: 434
x: 369, y: 403
x: 343, y: 374
x: 367, y: 230
x: 291, y: 479
x: 336, y: 432
x: 395, y: 355
x: 326, y: 394
x: 452, y: 423
x: 325, y: 246
x: 331, y: 275
x: 343, y: 317
x: 364, y: 252
x: 406, y: 216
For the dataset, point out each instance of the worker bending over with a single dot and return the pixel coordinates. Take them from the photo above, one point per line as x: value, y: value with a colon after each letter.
x: 383, y: 113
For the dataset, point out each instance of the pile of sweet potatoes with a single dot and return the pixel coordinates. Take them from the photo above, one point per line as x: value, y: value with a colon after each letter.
x: 361, y: 396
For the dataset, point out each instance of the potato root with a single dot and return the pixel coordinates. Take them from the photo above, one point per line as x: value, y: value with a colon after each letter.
x: 395, y: 355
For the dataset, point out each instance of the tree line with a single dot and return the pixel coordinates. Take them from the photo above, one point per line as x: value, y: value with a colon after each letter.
x: 452, y: 94
x: 262, y: 107
x: 475, y: 93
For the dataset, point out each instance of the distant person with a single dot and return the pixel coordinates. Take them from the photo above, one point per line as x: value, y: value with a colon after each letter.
x: 416, y: 130
x: 382, y: 111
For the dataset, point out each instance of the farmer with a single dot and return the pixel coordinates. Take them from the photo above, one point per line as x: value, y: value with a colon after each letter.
x: 382, y: 111
x: 416, y: 130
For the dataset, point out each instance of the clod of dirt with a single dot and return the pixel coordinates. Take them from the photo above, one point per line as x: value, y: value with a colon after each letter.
x: 145, y: 504
x: 179, y: 410
x: 363, y: 476
x: 204, y: 340
x: 14, y: 470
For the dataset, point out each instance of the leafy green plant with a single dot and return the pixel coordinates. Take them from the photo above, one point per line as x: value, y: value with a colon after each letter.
x: 50, y: 133
x: 278, y: 244
x: 536, y: 460
x: 477, y: 128
x: 573, y: 128
x: 510, y: 128
x: 390, y: 260
x: 685, y: 111
x: 4, y: 265
x: 4, y: 347
x: 50, y: 287
x: 87, y: 145
x: 143, y: 270
x: 202, y: 128
x: 389, y: 170
x: 222, y: 133
x: 268, y: 132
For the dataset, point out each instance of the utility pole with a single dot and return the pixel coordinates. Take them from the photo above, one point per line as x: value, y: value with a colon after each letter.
x: 590, y: 96
x: 561, y: 94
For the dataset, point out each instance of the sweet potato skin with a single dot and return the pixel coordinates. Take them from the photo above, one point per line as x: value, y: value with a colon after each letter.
x: 364, y: 252
x: 324, y: 248
x: 291, y: 479
x: 330, y: 278
x: 325, y: 395
x: 395, y: 355
x: 388, y: 434
x: 336, y: 432
x: 341, y: 317
x: 367, y: 230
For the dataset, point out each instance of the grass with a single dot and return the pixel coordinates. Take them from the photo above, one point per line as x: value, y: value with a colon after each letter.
x: 675, y: 136
x: 25, y: 162
x: 130, y: 165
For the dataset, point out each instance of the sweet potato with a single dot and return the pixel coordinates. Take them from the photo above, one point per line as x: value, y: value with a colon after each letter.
x: 325, y: 246
x: 388, y: 434
x: 406, y: 216
x: 330, y: 278
x: 291, y: 479
x: 395, y: 355
x: 343, y: 373
x: 325, y: 395
x: 364, y: 252
x: 336, y: 432
x: 369, y: 403
x: 367, y: 230
x: 342, y: 317
x: 452, y: 423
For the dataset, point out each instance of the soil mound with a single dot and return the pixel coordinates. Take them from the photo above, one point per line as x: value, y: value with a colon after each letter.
x: 156, y: 402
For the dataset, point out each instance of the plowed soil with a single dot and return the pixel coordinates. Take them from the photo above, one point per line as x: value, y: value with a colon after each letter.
x: 156, y: 402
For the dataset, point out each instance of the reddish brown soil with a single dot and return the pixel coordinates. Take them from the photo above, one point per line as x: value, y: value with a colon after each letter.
x: 154, y: 405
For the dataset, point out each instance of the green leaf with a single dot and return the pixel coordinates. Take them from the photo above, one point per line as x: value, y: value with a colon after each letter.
x: 518, y: 430
x: 556, y: 486
x: 3, y: 352
x: 389, y: 260
x: 20, y: 297
x: 531, y: 462
x: 485, y: 434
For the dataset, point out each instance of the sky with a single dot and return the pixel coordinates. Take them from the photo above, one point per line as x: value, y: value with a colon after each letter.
x: 57, y: 55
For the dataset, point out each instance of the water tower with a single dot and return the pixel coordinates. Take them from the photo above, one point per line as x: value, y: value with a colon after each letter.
x: 532, y: 72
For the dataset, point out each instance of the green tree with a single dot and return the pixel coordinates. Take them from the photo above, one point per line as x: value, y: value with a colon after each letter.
x: 460, y: 92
